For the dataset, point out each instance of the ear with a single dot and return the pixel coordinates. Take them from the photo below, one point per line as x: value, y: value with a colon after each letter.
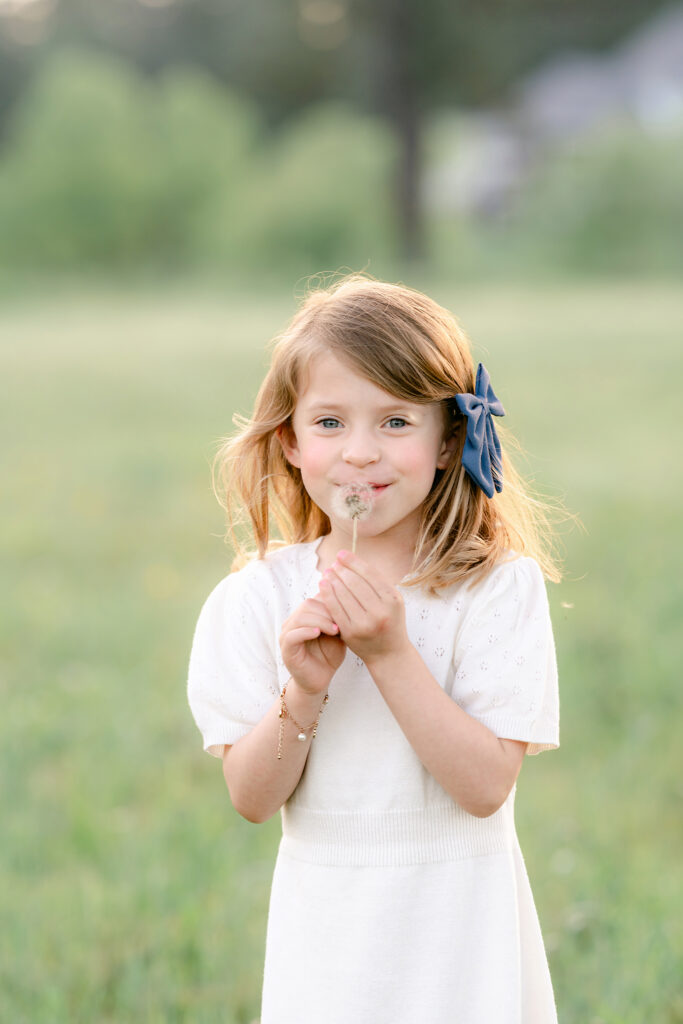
x: 448, y: 446
x: 287, y: 438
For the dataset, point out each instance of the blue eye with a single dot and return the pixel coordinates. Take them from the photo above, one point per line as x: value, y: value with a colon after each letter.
x: 397, y: 420
x: 327, y: 422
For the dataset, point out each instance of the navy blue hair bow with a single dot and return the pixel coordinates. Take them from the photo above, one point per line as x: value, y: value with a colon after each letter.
x: 481, y: 455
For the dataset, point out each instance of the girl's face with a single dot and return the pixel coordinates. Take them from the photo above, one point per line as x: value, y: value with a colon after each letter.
x: 347, y: 430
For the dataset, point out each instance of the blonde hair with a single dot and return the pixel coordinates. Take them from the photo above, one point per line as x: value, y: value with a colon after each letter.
x: 411, y: 347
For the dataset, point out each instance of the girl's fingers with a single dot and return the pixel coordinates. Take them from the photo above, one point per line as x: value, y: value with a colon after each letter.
x: 334, y: 603
x: 311, y: 613
x: 325, y: 625
x: 321, y: 615
x: 370, y: 576
x: 302, y: 634
x: 314, y: 604
x: 358, y: 589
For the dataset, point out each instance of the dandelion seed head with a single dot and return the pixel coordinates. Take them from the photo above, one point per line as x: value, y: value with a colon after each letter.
x: 354, y: 501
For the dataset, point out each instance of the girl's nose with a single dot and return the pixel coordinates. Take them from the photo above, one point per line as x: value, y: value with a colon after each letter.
x: 360, y: 451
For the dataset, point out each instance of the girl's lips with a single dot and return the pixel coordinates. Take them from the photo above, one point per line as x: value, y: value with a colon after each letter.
x: 374, y: 487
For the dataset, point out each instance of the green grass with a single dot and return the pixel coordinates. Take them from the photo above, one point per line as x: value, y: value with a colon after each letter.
x: 129, y: 889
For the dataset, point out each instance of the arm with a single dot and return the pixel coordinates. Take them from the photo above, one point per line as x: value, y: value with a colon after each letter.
x: 258, y: 781
x: 474, y: 766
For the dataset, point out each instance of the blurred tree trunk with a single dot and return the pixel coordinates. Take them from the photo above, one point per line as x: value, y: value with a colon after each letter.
x: 398, y: 26
x: 409, y: 129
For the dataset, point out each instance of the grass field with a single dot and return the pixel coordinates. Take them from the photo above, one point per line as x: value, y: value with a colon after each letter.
x: 129, y: 889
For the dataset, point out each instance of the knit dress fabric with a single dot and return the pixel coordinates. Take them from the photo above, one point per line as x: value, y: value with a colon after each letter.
x: 390, y: 904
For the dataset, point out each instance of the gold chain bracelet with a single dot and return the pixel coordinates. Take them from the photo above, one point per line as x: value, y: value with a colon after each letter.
x: 285, y: 713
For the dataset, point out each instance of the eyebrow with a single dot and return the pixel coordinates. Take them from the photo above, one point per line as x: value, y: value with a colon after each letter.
x: 337, y: 407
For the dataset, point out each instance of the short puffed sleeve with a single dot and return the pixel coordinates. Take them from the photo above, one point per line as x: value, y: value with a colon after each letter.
x: 232, y: 678
x: 505, y: 664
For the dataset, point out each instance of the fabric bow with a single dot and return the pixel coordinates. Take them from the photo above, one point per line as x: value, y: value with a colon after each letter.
x: 481, y: 455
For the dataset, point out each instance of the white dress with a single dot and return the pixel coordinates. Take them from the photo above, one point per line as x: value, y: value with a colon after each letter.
x: 390, y: 904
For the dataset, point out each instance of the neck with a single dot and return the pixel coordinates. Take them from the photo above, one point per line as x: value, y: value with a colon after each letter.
x: 390, y: 553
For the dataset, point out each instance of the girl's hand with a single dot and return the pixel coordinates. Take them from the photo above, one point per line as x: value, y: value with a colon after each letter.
x: 311, y: 647
x: 369, y: 611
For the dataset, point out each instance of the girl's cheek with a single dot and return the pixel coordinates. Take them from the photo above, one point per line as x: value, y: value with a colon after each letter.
x: 416, y: 458
x: 314, y: 455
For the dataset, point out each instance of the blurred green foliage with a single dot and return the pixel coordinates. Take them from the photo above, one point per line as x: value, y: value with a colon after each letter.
x: 106, y: 169
x: 612, y: 201
x: 316, y: 196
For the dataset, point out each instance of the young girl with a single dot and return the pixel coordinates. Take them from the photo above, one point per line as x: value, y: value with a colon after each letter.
x: 384, y: 700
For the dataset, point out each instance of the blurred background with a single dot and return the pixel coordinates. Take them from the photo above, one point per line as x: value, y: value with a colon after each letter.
x: 173, y: 175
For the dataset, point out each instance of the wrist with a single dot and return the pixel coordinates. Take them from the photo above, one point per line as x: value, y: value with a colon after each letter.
x: 288, y: 710
x: 302, y: 699
x: 385, y: 663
